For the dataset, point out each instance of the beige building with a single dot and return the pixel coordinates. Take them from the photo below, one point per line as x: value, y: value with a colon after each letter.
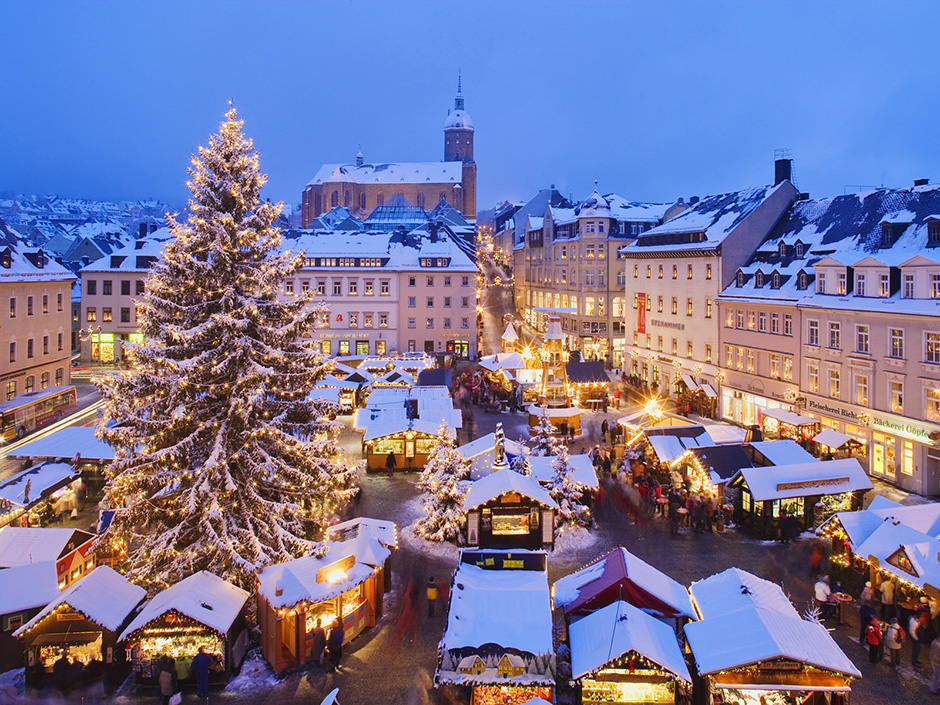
x: 36, y: 295
x: 363, y: 187
x: 854, y: 284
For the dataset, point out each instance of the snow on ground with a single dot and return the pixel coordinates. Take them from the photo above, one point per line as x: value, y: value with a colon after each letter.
x: 573, y: 539
x: 438, y: 549
x: 12, y: 685
x: 254, y: 675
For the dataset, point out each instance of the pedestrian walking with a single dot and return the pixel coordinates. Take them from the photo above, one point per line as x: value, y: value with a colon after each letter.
x: 334, y: 643
x: 390, y: 463
x: 200, y: 666
x: 894, y: 640
x: 167, y: 680
x: 605, y: 428
x: 317, y: 643
x: 432, y: 595
x: 873, y: 636
x: 865, y: 613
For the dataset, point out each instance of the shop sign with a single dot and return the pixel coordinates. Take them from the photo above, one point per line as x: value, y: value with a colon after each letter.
x: 510, y: 498
x: 811, y: 484
x: 68, y: 617
x: 902, y: 427
x: 828, y: 407
x: 343, y: 565
x: 667, y: 324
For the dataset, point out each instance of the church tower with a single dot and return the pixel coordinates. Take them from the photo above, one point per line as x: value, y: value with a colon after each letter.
x: 458, y: 147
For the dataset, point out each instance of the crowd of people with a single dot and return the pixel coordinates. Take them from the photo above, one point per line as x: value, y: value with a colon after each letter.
x: 71, y: 677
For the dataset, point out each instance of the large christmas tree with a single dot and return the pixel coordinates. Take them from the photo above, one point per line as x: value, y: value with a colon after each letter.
x: 222, y: 463
x: 443, y: 482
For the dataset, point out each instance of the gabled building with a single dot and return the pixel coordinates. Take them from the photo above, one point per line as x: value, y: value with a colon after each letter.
x: 674, y: 273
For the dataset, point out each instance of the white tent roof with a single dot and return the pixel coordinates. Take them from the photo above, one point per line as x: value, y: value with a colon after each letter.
x: 921, y: 550
x: 203, y: 597
x: 27, y: 587
x: 104, y: 596
x: 502, y: 481
x: 510, y: 332
x: 789, y: 417
x: 783, y: 452
x: 540, y: 467
x: 506, y: 607
x: 614, y: 630
x: 428, y: 426
x: 40, y: 478
x: 805, y: 479
x: 65, y: 444
x: 832, y: 439
x: 382, y: 531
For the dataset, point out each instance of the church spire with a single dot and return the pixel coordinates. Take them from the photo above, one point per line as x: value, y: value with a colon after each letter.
x: 458, y: 101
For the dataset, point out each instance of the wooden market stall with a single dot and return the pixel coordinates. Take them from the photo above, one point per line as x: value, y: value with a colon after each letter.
x: 568, y: 417
x: 24, y: 591
x: 780, y: 423
x: 583, y: 471
x: 498, y: 640
x: 767, y: 492
x: 77, y: 446
x: 589, y: 383
x: 69, y: 549
x: 509, y: 510
x: 83, y: 622
x: 347, y: 582
x: 200, y: 611
x: 619, y: 575
x: 621, y: 654
x: 410, y: 441
x: 39, y: 495
x: 774, y: 658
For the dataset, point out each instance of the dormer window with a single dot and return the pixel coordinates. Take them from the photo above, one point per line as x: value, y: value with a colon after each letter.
x: 799, y: 248
x: 841, y: 283
x: 739, y: 279
x: 801, y: 281
x: 884, y: 286
x: 860, y: 285
x: 887, y: 232
x: 775, y: 281
x: 759, y: 279
x: 783, y: 249
x: 820, y: 282
x: 6, y: 258
x: 933, y: 232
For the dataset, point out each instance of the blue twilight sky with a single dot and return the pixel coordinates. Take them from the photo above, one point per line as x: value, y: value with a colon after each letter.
x: 655, y: 99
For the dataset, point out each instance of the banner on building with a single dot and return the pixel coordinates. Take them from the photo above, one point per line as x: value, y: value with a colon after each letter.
x: 641, y: 313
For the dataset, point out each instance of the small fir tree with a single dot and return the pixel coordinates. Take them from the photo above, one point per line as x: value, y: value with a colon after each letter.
x: 443, y: 483
x: 544, y: 442
x: 566, y: 493
x: 222, y: 463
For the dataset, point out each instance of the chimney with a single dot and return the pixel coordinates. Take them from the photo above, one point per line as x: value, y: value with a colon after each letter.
x: 693, y: 200
x: 153, y: 227
x: 783, y: 170
x: 142, y: 229
x: 921, y: 182
x: 432, y: 227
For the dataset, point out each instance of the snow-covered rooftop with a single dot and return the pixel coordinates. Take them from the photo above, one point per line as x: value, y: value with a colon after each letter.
x: 104, y: 596
x: 805, y: 479
x: 617, y: 629
x: 390, y: 173
x: 29, y: 485
x: 540, y: 467
x: 27, y: 587
x: 733, y: 589
x: 66, y: 443
x: 510, y: 608
x: 203, y: 597
x: 23, y: 546
x: 503, y: 481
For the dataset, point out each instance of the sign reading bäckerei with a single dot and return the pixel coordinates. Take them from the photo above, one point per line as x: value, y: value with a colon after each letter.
x: 887, y: 423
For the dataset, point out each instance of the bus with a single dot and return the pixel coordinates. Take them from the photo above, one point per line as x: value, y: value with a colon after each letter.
x: 27, y: 412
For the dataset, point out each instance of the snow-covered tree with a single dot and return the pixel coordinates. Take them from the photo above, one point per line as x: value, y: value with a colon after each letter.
x: 222, y: 463
x: 443, y: 483
x: 543, y: 442
x: 565, y: 491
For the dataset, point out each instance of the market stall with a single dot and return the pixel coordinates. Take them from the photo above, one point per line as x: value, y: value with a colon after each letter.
x: 619, y: 575
x: 344, y: 583
x: 585, y: 476
x: 24, y: 590
x: 769, y: 492
x: 780, y: 423
x: 83, y: 622
x: 69, y: 549
x: 710, y: 468
x: 481, y: 453
x: 509, y: 510
x: 39, y: 495
x: 567, y: 416
x: 832, y: 442
x: 775, y: 657
x: 410, y: 441
x: 498, y: 639
x: 621, y: 654
x: 589, y: 383
x: 76, y: 445
x: 201, y: 611
x: 385, y: 532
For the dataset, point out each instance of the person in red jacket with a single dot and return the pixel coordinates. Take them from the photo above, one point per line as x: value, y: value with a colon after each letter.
x: 873, y: 636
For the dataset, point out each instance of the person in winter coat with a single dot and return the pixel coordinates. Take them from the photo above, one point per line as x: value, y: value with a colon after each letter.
x: 887, y: 599
x: 865, y: 613
x: 894, y: 640
x: 390, y: 463
x: 60, y: 672
x: 432, y: 595
x: 317, y: 643
x: 935, y: 666
x: 873, y: 637
x: 167, y: 680
x: 200, y: 666
x: 868, y: 593
x: 334, y: 643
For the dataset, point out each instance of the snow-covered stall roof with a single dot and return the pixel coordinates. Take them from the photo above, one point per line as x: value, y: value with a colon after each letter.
x: 41, y: 480
x: 789, y: 417
x: 27, y: 587
x: 904, y: 551
x: 66, y: 443
x: 734, y: 589
x: 805, y: 479
x: 286, y: 584
x: 721, y: 462
x: 750, y: 635
x: 669, y: 442
x: 643, y: 419
x: 24, y: 545
x: 617, y: 629
x: 621, y: 569
x: 328, y: 394
x: 832, y: 439
x: 481, y: 452
x: 203, y: 597
x: 104, y: 596
x: 510, y: 608
x: 510, y: 334
x: 783, y: 451
x: 540, y: 467
x: 385, y: 532
x: 503, y: 361
x: 503, y: 481
x: 388, y: 427
x: 552, y: 413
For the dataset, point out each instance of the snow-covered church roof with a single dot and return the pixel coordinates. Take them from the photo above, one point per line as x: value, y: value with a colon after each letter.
x: 390, y: 173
